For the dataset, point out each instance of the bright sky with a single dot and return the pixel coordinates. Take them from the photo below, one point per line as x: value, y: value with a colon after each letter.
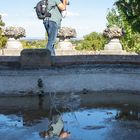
x: 85, y: 16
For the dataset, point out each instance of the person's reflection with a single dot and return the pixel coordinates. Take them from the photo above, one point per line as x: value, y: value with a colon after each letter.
x: 40, y: 102
x: 55, y: 129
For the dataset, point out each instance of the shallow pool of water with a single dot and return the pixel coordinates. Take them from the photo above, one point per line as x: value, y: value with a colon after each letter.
x: 83, y: 124
x: 23, y: 118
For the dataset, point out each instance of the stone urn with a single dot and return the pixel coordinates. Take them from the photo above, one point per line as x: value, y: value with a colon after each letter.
x: 113, y: 33
x: 13, y: 43
x: 13, y: 34
x: 64, y: 35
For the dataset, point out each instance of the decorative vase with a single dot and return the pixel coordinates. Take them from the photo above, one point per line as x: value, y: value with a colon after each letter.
x: 13, y: 44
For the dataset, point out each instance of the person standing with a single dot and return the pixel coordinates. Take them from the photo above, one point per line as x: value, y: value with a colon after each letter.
x: 53, y: 23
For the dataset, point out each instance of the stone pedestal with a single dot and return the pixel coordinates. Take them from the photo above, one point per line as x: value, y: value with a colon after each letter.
x: 1, y: 53
x: 113, y: 45
x: 13, y: 47
x: 65, y: 45
x: 13, y: 44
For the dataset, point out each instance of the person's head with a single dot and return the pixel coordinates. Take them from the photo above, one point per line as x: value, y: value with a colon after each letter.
x: 64, y: 134
x: 68, y: 2
x: 44, y: 134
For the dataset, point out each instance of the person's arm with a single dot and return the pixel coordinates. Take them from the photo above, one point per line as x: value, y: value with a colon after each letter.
x: 62, y: 6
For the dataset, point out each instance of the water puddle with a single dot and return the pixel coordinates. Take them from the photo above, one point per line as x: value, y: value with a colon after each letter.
x: 82, y: 122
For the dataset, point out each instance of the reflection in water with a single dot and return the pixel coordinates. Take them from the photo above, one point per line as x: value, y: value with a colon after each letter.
x: 57, y: 106
x: 82, y: 122
x: 11, y: 120
x: 55, y: 130
x: 128, y: 114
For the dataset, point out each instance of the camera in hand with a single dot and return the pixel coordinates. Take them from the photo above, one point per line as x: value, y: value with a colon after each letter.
x: 67, y: 3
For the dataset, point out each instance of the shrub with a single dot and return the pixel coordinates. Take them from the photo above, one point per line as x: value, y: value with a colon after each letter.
x: 93, y: 41
x: 33, y: 44
x: 3, y: 39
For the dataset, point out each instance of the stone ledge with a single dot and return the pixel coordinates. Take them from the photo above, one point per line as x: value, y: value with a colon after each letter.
x: 42, y: 59
x: 11, y: 52
x: 96, y: 59
x: 9, y: 62
x: 9, y: 59
x: 60, y: 52
x: 35, y: 58
x: 116, y: 52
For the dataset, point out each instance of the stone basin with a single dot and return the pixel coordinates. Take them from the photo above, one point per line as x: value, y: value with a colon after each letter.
x: 35, y: 72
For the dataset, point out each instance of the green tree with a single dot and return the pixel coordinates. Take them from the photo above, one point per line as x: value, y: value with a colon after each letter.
x: 92, y: 41
x: 131, y: 12
x: 30, y: 44
x: 33, y: 44
x: 3, y: 39
x: 113, y: 18
x: 130, y: 40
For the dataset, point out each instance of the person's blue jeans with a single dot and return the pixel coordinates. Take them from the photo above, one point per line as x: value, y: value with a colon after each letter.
x: 52, y: 30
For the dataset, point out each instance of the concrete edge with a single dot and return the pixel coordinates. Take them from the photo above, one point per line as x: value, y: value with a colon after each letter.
x: 17, y: 62
x: 96, y: 59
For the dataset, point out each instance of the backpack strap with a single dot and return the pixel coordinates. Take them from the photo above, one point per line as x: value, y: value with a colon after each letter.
x: 46, y: 3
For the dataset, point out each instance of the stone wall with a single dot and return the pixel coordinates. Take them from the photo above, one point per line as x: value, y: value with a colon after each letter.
x: 40, y: 58
x: 21, y: 75
x: 68, y: 80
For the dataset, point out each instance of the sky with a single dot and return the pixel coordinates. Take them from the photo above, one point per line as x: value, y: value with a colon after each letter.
x: 85, y: 16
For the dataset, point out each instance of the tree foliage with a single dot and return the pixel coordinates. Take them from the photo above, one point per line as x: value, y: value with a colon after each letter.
x: 113, y: 18
x: 125, y: 15
x: 33, y: 44
x: 92, y: 41
x: 131, y: 12
x: 3, y: 39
